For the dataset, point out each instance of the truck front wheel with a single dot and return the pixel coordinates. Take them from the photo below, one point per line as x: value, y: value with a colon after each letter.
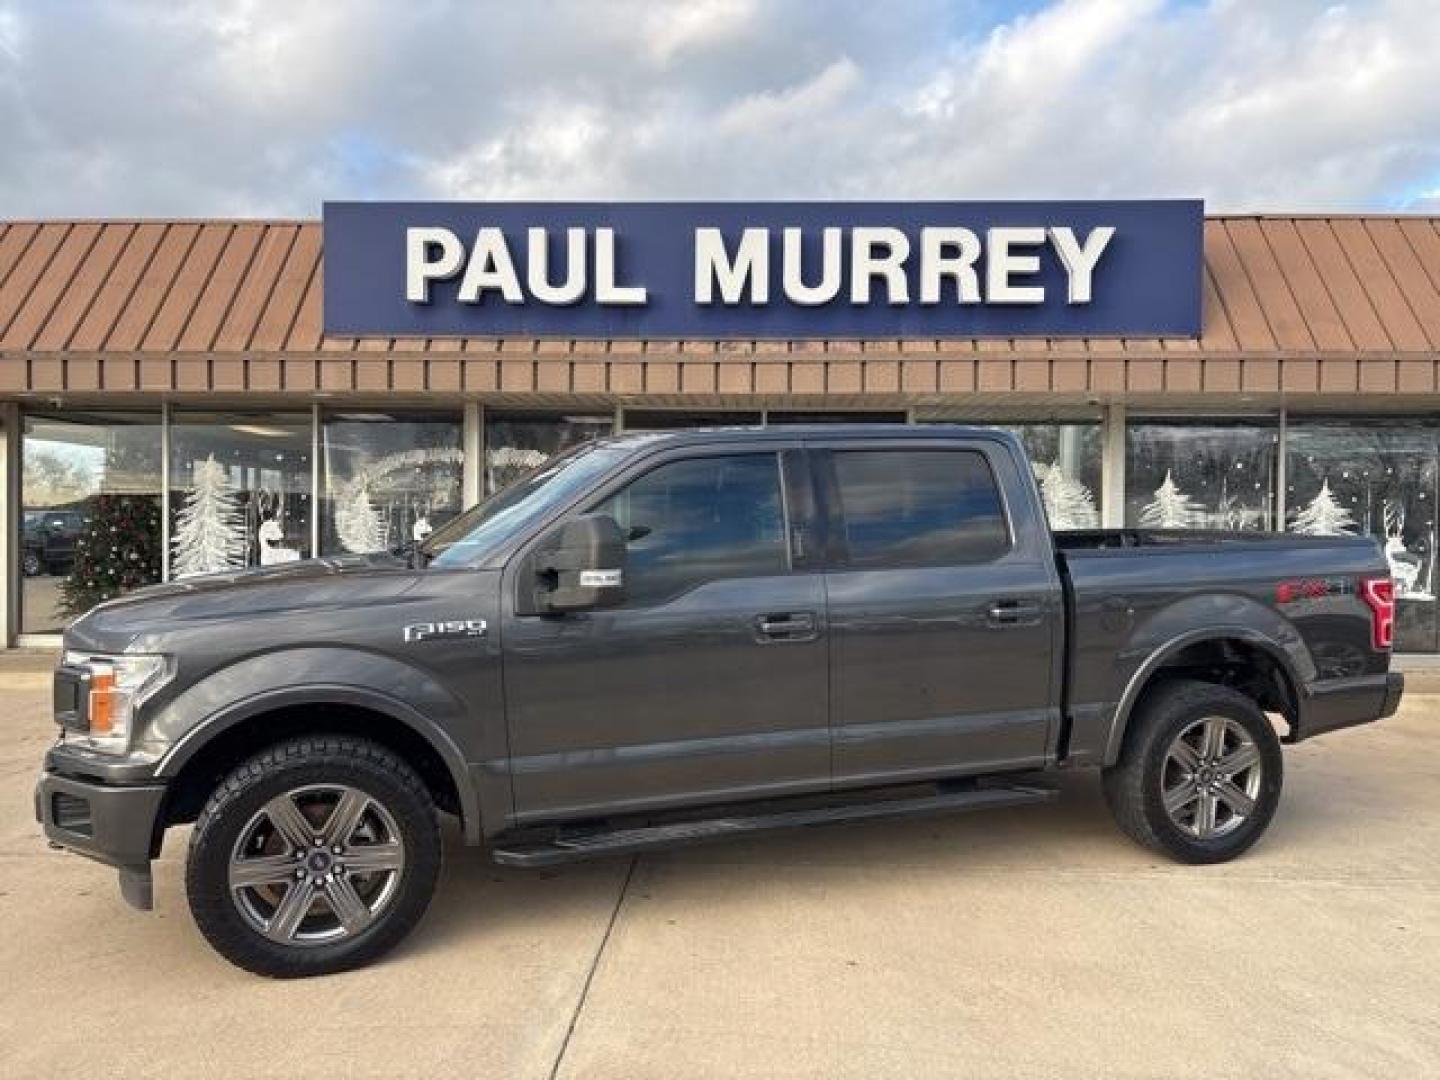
x: 316, y: 855
x: 1200, y: 773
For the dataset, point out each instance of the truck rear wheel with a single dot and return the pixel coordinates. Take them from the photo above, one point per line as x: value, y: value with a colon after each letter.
x: 315, y: 856
x: 1200, y: 773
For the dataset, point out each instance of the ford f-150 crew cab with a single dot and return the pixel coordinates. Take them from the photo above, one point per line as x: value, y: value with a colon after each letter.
x: 665, y: 638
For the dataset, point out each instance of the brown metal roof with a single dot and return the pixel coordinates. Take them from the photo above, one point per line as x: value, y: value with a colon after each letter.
x: 171, y: 306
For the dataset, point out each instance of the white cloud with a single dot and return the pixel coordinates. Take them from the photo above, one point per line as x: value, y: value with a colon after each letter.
x: 771, y: 112
x: 534, y: 160
x: 269, y: 107
x: 11, y: 36
x: 670, y: 30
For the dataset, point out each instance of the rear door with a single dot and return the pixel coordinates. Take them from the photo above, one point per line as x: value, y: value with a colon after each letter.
x: 710, y: 683
x: 945, y: 610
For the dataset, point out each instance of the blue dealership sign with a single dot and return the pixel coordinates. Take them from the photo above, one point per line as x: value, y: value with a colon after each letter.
x: 764, y: 270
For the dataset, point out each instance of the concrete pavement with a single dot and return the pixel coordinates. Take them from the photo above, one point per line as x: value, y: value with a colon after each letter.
x: 1034, y: 942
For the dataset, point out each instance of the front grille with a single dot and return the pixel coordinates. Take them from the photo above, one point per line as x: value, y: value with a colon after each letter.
x: 71, y: 813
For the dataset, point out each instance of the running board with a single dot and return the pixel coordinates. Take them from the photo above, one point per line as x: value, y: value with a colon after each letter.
x: 571, y: 846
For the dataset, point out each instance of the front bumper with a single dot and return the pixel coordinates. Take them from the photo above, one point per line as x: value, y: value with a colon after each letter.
x: 116, y: 825
x: 1342, y: 703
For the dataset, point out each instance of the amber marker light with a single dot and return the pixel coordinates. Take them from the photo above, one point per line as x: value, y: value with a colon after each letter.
x: 102, y: 700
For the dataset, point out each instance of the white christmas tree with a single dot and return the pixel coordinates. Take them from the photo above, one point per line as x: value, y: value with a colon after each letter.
x: 1170, y: 509
x: 210, y: 529
x: 1068, y: 502
x: 359, y: 525
x: 1324, y: 516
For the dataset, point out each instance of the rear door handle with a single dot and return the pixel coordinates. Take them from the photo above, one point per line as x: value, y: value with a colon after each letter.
x: 1007, y: 613
x: 786, y: 626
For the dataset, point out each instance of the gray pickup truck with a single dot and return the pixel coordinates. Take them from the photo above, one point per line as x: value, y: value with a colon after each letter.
x: 667, y: 638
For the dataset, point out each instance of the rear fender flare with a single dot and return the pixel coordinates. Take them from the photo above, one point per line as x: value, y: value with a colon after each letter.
x: 1157, y: 659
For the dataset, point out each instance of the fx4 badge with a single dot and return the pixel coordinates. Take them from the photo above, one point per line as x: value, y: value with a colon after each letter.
x: 451, y: 628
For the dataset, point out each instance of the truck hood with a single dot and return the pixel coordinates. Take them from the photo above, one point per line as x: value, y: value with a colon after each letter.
x: 143, y: 616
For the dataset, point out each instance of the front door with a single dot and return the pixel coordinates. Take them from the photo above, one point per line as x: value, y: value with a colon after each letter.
x: 710, y: 683
x: 944, y: 612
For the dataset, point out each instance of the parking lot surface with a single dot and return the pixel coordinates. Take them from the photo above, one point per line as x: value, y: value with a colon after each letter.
x: 1034, y: 942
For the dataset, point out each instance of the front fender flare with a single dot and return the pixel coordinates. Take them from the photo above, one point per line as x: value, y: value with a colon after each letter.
x: 1157, y: 658
x: 235, y: 694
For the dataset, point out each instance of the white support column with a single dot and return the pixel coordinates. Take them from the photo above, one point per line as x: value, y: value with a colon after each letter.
x: 472, y: 442
x: 10, y: 519
x: 1112, y: 467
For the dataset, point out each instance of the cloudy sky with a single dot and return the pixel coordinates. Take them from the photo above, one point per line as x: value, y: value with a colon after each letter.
x: 268, y: 107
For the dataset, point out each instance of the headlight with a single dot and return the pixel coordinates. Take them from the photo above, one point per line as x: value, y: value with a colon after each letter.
x: 113, y: 688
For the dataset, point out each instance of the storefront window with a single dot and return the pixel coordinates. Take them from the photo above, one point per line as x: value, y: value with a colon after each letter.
x: 239, y: 490
x: 515, y: 443
x: 682, y: 420
x: 779, y: 416
x: 387, y: 479
x: 1066, y: 461
x: 1345, y: 478
x: 1198, y: 475
x: 90, y: 527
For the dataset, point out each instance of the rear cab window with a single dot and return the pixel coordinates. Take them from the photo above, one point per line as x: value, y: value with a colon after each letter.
x: 922, y: 507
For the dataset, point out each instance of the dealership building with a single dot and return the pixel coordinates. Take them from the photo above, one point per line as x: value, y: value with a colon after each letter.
x: 181, y: 395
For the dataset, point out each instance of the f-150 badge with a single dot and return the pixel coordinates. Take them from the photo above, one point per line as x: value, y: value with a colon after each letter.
x: 451, y: 628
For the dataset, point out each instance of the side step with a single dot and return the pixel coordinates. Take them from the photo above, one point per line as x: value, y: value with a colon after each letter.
x: 573, y: 845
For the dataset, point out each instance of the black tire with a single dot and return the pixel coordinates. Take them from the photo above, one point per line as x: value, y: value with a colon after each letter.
x: 31, y: 565
x: 1135, y: 786
x: 400, y: 802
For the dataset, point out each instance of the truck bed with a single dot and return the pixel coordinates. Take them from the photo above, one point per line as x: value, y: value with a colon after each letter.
x: 1130, y: 591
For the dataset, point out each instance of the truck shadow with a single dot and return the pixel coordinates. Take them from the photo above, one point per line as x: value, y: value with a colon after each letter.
x: 479, y: 902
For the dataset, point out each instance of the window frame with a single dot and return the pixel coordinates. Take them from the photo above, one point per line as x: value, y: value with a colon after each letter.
x: 837, y: 553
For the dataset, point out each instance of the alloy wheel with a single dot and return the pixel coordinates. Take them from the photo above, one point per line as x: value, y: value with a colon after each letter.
x: 316, y: 865
x: 1211, y: 777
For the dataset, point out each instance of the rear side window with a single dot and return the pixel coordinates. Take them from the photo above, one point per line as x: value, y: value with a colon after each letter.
x: 698, y: 520
x: 919, y: 508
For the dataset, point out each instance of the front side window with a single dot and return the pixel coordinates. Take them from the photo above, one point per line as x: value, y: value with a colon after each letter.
x: 919, y: 508
x: 699, y: 520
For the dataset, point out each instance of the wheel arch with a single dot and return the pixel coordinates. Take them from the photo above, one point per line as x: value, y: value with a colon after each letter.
x: 211, y: 748
x: 1241, y: 657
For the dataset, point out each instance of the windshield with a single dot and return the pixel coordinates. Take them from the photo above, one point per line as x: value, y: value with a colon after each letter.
x: 473, y: 536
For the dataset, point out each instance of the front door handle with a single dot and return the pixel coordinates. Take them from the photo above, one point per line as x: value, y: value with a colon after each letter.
x: 786, y: 626
x: 1007, y: 613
